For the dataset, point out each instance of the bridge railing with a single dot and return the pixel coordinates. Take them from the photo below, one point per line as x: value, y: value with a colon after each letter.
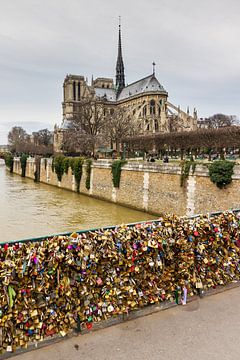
x: 68, y: 233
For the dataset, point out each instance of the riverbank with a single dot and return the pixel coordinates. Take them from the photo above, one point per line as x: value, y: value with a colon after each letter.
x: 155, y: 188
x: 29, y: 209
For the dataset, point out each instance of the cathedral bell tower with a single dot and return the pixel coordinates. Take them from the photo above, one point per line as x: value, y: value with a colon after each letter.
x: 120, y: 77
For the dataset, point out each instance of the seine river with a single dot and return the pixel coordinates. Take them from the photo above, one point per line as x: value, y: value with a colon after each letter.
x: 29, y: 209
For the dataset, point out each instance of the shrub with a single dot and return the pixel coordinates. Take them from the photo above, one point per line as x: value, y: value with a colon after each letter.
x: 116, y: 172
x: 77, y: 171
x: 220, y: 172
x: 185, y: 170
x: 9, y: 161
x: 71, y: 164
x: 88, y: 173
x: 59, y: 166
x: 23, y: 161
x: 66, y: 164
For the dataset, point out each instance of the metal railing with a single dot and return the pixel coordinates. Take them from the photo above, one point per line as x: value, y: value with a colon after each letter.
x: 42, y: 238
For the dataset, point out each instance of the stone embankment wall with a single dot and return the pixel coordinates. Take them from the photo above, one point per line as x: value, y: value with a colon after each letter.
x: 149, y: 187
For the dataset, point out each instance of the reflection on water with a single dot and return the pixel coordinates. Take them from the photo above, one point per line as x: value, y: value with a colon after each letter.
x: 29, y: 209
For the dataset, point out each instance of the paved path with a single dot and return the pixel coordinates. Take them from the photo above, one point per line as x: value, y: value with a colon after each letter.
x: 204, y: 329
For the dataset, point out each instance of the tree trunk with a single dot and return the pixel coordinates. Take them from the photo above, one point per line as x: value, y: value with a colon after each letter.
x: 182, y: 154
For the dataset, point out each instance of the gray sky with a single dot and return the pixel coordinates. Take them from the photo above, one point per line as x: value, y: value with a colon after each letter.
x: 195, y: 45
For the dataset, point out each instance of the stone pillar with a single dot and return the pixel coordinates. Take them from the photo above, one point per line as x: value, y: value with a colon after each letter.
x: 163, y: 117
x: 91, y: 182
x: 64, y: 92
x: 114, y: 194
x: 145, y: 190
x: 73, y: 183
x: 70, y: 90
x: 76, y: 90
x: 47, y: 175
x: 191, y: 187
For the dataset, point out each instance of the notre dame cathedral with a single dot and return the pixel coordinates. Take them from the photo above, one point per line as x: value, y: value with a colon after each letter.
x: 145, y: 101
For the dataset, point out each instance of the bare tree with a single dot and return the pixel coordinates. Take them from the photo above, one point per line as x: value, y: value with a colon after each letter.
x: 86, y: 127
x: 17, y: 138
x: 43, y: 137
x: 217, y: 121
x: 118, y: 124
x: 201, y: 139
x: 21, y: 142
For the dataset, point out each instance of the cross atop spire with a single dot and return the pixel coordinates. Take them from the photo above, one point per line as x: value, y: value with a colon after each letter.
x: 120, y: 77
x: 153, y: 65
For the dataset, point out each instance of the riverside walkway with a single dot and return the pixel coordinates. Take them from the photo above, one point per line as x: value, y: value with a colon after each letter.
x: 206, y: 328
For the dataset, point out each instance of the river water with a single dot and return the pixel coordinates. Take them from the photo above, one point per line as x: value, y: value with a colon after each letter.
x: 29, y: 209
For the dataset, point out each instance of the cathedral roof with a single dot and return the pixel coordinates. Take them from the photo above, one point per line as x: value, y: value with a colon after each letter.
x: 108, y: 94
x: 147, y: 84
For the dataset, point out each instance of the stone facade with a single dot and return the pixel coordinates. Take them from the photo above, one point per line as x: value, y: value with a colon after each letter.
x: 144, y: 101
x: 153, y: 188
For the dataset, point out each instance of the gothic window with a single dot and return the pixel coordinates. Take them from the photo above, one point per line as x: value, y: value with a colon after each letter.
x: 152, y: 107
x: 74, y: 90
x: 159, y: 110
x: 145, y: 111
x: 147, y: 125
x: 111, y: 111
x: 79, y: 91
x: 156, y: 125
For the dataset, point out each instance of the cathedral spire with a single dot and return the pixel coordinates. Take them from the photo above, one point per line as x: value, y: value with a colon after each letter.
x: 120, y: 77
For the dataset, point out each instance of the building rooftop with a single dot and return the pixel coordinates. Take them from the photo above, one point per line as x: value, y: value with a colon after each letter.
x: 108, y: 94
x: 147, y: 84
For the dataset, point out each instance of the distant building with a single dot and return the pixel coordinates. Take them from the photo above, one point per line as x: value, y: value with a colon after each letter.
x: 145, y: 100
x: 4, y: 148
